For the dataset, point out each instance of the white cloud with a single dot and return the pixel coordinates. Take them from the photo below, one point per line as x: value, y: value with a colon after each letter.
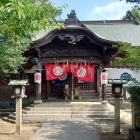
x: 111, y: 11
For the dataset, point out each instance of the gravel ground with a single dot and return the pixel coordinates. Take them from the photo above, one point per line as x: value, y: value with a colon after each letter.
x: 7, y: 131
x: 106, y: 131
x: 106, y: 128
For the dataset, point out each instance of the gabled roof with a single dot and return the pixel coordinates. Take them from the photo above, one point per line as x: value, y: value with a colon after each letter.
x: 109, y: 31
x: 117, y: 30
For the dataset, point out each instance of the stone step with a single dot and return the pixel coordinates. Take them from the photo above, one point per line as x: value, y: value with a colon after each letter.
x: 9, y: 120
x: 46, y: 117
x: 44, y: 120
x: 12, y: 116
x: 4, y: 113
x: 68, y: 104
x: 66, y: 109
x: 7, y: 110
x: 67, y: 112
x: 67, y: 115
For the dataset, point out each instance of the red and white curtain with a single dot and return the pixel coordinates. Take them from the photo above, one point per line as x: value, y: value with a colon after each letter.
x: 54, y: 71
x: 83, y: 72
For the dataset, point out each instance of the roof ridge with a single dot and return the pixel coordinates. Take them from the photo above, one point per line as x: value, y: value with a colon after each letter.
x: 109, y: 22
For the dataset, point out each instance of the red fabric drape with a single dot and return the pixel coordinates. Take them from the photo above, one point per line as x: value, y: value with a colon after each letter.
x: 83, y: 72
x: 54, y: 71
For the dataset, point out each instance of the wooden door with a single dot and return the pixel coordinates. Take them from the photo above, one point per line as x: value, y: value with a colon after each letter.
x: 56, y: 90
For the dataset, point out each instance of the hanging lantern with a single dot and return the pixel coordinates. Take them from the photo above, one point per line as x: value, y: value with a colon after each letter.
x: 104, y: 77
x: 37, y: 77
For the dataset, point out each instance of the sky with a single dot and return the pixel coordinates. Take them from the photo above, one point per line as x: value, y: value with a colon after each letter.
x: 95, y: 9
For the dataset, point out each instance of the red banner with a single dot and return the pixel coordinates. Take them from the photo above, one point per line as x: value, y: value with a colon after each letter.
x: 83, y: 72
x: 54, y: 71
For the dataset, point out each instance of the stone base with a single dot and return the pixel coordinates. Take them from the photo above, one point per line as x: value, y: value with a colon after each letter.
x: 134, y: 135
x: 104, y: 102
x: 37, y: 101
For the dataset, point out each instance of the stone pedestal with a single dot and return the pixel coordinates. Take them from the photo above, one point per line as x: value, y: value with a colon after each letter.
x: 37, y: 101
x: 104, y: 102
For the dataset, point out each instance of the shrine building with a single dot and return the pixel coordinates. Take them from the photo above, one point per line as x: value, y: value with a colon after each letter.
x: 68, y: 62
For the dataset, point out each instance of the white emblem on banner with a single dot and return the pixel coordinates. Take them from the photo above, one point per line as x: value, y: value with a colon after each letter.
x: 81, y: 72
x: 64, y: 77
x: 58, y: 71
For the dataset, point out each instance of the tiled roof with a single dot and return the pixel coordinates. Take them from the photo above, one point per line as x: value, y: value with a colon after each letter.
x: 126, y: 31
x: 117, y: 32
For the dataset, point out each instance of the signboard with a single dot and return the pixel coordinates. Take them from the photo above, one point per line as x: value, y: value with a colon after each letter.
x: 18, y: 82
x: 117, y: 81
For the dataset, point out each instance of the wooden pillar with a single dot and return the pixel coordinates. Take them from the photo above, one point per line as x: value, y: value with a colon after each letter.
x: 98, y: 79
x: 72, y: 92
x: 38, y: 92
x: 47, y: 89
x: 39, y: 84
x: 103, y: 92
x: 104, y: 83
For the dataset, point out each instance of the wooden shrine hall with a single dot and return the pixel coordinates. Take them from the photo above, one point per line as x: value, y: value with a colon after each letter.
x: 68, y: 61
x: 77, y: 46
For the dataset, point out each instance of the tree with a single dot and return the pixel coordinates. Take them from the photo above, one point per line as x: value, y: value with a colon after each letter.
x: 133, y: 1
x: 128, y: 55
x: 19, y: 20
x: 133, y: 14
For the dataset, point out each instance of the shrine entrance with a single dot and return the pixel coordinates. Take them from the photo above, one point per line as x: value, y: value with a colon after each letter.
x: 69, y: 82
x: 57, y: 86
x: 56, y: 90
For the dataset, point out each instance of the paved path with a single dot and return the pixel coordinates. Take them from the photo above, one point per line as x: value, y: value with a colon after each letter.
x: 67, y: 130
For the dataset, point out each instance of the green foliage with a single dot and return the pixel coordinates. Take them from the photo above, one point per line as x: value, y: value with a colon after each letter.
x: 23, y: 18
x: 130, y: 55
x: 11, y: 56
x: 133, y: 14
x: 134, y: 90
x: 127, y: 55
x: 133, y: 1
x: 19, y: 20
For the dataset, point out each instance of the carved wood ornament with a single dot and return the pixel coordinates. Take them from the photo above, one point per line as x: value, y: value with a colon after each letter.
x: 72, y: 19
